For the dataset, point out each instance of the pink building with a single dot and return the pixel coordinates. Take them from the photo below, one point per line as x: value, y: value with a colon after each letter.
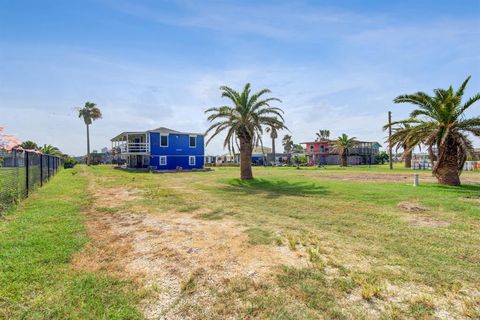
x: 321, y: 152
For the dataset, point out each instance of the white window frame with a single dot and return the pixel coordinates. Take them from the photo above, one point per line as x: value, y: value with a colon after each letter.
x: 192, y: 136
x: 160, y: 160
x: 190, y: 160
x: 163, y: 135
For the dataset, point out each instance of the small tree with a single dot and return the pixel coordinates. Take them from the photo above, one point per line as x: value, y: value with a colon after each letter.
x: 342, y: 145
x: 382, y: 157
x: 299, y: 160
x: 69, y: 162
x: 287, y: 146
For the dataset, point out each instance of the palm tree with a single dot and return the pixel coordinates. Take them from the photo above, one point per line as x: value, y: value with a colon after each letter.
x: 273, y: 130
x: 90, y: 112
x: 401, y: 139
x: 323, y: 135
x: 29, y: 145
x: 50, y: 150
x: 244, y: 122
x: 342, y: 145
x: 440, y: 122
x: 297, y: 148
x: 287, y: 143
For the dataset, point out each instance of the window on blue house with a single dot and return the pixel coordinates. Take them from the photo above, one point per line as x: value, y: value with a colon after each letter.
x: 193, y: 141
x: 163, y: 141
x: 191, y: 160
x: 163, y: 160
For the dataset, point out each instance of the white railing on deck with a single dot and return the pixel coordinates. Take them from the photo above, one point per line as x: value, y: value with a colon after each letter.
x: 135, y: 147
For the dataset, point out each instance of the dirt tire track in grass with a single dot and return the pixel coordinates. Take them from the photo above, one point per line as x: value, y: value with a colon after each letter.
x: 386, y: 177
x: 183, y: 257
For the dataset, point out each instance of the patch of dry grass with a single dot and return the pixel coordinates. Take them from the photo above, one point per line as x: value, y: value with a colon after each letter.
x: 349, y: 249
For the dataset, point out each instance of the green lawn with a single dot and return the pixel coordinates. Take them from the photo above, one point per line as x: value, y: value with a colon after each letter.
x: 366, y: 255
x: 37, y: 242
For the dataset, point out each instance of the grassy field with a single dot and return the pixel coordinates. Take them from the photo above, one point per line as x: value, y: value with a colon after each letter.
x: 355, y: 243
x: 37, y: 243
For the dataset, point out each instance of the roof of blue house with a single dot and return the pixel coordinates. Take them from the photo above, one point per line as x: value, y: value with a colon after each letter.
x: 162, y: 130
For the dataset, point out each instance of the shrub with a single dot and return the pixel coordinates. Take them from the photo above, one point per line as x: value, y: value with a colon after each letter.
x: 69, y: 162
x: 382, y: 157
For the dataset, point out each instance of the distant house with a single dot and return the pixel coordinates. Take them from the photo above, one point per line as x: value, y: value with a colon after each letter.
x: 263, y: 155
x: 226, y: 158
x: 210, y: 160
x: 161, y: 149
x: 322, y: 152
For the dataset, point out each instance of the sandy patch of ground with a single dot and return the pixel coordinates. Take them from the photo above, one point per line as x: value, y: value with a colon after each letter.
x: 419, y: 220
x: 411, y: 207
x: 424, y: 221
x: 113, y: 197
x: 168, y: 250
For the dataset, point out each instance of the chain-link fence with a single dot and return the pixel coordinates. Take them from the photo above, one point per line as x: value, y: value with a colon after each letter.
x: 21, y: 172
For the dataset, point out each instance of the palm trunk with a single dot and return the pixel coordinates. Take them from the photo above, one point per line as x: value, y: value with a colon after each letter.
x: 344, y: 158
x: 447, y: 169
x: 407, y: 157
x: 245, y: 159
x: 431, y: 156
x: 88, y: 145
x: 273, y: 150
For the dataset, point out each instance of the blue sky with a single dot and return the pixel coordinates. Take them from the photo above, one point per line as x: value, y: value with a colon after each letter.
x: 335, y: 64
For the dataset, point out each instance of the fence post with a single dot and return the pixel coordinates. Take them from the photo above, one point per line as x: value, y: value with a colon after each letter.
x: 27, y: 164
x: 48, y: 167
x: 41, y: 170
x: 17, y: 171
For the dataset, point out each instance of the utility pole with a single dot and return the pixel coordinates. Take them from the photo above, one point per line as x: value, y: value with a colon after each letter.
x: 390, y: 160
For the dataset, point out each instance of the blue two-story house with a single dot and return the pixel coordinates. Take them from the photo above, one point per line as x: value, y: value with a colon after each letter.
x: 160, y: 149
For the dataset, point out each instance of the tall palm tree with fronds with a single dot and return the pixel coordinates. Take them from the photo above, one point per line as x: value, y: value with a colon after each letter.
x: 50, y: 150
x: 90, y: 112
x: 440, y: 122
x: 342, y: 145
x: 273, y: 130
x: 288, y: 144
x: 323, y: 135
x: 402, y: 138
x: 243, y: 122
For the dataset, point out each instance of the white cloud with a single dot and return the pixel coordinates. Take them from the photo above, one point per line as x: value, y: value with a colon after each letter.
x: 280, y: 21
